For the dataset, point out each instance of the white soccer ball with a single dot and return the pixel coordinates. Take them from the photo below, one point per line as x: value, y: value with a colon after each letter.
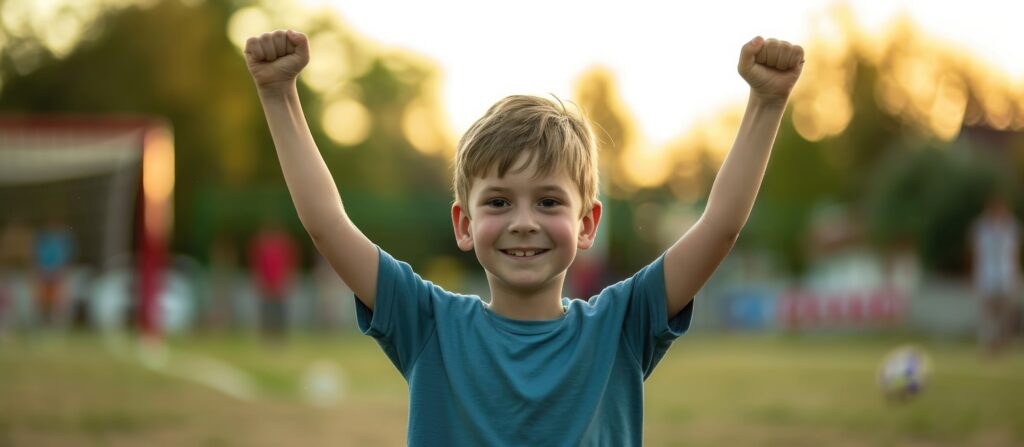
x: 904, y: 372
x: 323, y: 383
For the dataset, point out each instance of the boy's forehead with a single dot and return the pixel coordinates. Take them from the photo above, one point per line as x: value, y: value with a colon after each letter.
x: 530, y: 178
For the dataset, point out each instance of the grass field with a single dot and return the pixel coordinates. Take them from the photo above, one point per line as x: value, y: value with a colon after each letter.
x: 709, y: 391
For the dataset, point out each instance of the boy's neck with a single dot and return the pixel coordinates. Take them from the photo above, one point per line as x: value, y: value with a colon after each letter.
x: 541, y: 304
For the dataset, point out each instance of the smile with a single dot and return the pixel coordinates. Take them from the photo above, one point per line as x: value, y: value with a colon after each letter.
x: 524, y: 253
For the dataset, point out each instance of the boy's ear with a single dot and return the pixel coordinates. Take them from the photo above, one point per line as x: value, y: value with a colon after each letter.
x: 588, y: 230
x: 461, y: 220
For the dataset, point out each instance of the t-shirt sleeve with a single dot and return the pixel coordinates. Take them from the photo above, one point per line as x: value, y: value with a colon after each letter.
x: 647, y: 329
x: 402, y: 318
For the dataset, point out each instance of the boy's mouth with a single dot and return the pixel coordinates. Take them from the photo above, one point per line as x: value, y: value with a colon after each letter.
x: 524, y: 253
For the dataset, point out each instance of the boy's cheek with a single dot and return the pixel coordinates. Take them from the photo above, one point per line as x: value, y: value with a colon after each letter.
x: 564, y: 228
x: 486, y: 231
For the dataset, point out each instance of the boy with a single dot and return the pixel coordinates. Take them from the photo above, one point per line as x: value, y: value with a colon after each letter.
x: 529, y: 367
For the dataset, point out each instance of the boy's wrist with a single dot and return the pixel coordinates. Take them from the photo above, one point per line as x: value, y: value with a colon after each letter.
x: 768, y: 101
x: 277, y: 90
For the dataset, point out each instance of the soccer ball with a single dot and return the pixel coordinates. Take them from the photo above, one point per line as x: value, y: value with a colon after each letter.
x: 323, y: 383
x: 904, y: 372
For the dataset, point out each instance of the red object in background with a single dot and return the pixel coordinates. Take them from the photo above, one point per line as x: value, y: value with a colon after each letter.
x: 834, y: 311
x: 151, y: 262
x: 855, y: 308
x: 272, y: 259
x: 851, y: 309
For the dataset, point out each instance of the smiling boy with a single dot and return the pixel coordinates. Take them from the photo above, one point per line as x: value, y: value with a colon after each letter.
x: 528, y: 366
x: 525, y: 181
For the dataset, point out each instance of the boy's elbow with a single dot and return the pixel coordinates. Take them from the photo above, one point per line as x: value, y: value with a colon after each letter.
x: 323, y: 224
x: 725, y: 233
x: 722, y: 227
x: 731, y: 237
x: 315, y: 235
x: 725, y: 243
x: 319, y: 229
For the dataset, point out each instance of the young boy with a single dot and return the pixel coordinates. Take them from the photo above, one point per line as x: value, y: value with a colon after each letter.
x: 529, y: 367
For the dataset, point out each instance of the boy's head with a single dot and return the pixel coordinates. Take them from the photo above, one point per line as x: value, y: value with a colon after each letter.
x: 526, y: 191
x: 550, y: 136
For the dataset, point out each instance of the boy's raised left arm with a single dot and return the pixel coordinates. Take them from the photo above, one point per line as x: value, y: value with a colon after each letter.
x: 771, y: 68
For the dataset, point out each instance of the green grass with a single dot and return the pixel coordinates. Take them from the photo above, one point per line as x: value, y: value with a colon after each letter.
x: 709, y: 391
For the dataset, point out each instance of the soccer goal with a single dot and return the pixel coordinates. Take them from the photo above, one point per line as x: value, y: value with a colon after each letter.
x: 104, y: 184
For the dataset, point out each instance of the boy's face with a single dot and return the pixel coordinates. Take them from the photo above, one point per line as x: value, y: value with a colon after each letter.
x: 524, y: 229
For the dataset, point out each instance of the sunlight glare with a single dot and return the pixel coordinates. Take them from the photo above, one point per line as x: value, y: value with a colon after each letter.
x: 346, y: 122
x: 247, y: 22
x: 947, y: 112
x: 645, y: 168
x: 423, y: 128
x: 329, y: 68
x: 62, y: 33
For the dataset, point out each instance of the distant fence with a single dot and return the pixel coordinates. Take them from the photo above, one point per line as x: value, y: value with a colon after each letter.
x: 943, y: 307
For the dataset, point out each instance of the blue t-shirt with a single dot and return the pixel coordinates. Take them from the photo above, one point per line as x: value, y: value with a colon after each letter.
x: 477, y: 378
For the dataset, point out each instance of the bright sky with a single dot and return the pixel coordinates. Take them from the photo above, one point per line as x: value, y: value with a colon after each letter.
x: 675, y: 61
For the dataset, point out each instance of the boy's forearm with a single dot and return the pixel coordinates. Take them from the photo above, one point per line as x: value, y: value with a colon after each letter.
x: 312, y: 189
x: 736, y: 185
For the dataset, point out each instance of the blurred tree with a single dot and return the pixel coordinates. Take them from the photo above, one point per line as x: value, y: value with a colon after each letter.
x: 862, y: 113
x: 173, y: 59
x: 168, y: 60
x: 597, y: 94
x: 799, y: 176
x: 927, y: 196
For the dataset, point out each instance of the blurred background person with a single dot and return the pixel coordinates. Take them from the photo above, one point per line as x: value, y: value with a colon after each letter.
x: 995, y: 248
x: 15, y: 261
x: 222, y: 283
x: 53, y: 250
x: 272, y: 258
x: 335, y: 308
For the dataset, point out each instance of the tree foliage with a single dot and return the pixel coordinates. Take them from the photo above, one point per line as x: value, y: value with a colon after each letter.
x: 174, y: 60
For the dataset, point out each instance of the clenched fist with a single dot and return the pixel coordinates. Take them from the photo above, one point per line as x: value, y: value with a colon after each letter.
x: 771, y: 67
x: 275, y: 59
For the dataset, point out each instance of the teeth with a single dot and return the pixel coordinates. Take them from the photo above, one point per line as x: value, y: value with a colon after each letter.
x: 522, y: 253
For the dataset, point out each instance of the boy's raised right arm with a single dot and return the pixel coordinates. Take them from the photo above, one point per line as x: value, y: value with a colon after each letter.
x: 275, y: 60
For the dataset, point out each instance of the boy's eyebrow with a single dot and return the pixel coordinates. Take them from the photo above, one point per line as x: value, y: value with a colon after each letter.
x: 539, y: 188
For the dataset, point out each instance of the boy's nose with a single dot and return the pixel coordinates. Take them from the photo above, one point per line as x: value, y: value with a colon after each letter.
x: 523, y: 221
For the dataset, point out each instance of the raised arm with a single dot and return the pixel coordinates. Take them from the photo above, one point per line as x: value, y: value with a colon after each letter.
x: 771, y: 68
x: 275, y: 61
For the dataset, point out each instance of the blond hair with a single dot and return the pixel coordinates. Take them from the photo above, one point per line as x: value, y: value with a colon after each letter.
x: 551, y: 137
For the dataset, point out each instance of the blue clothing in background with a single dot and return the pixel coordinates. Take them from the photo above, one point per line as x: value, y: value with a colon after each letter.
x: 53, y: 249
x: 476, y: 378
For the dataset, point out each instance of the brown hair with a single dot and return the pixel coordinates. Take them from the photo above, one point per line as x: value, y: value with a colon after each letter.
x: 551, y: 136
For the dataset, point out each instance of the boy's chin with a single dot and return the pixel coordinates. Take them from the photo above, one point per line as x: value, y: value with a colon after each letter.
x: 527, y: 283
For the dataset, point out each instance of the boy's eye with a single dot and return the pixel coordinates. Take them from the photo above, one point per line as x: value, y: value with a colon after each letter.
x: 497, y: 203
x: 547, y: 203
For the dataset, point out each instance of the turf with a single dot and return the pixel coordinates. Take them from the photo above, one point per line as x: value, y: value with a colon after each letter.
x: 708, y: 391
